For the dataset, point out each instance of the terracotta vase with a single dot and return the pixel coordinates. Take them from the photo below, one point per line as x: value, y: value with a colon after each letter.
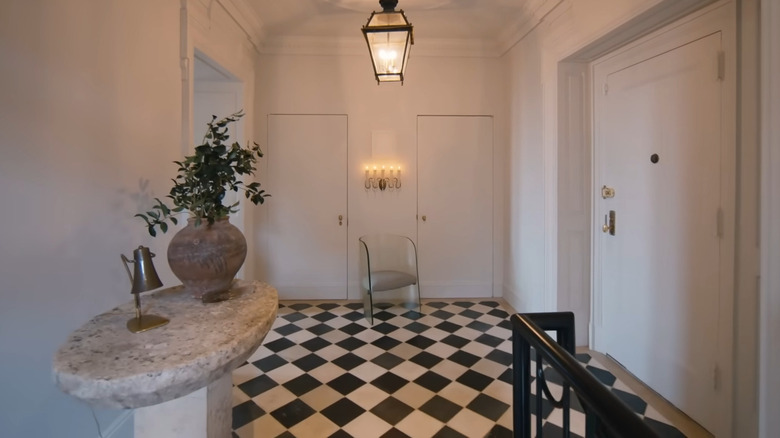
x: 207, y: 257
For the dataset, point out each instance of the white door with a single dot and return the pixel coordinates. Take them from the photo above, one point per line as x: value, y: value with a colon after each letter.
x: 455, y: 205
x: 660, y: 145
x: 306, y: 235
x: 216, y: 93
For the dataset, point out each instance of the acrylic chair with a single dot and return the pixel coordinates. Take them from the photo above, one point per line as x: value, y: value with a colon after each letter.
x: 388, y: 272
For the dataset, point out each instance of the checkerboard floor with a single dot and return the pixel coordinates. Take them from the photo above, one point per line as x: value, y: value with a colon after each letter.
x: 323, y: 371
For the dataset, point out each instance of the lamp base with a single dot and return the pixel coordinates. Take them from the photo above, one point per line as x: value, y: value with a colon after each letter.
x: 146, y: 322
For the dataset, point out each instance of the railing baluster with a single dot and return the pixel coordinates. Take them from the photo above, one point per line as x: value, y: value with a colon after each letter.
x: 521, y: 380
x: 605, y: 414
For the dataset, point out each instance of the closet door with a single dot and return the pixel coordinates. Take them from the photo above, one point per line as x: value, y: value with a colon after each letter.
x: 306, y: 232
x: 455, y: 205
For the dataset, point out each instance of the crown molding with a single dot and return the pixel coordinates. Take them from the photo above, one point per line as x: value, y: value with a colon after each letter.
x: 537, y: 11
x: 246, y: 18
x: 459, y: 48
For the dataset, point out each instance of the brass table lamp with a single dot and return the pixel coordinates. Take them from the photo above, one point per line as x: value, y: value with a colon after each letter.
x: 145, y: 279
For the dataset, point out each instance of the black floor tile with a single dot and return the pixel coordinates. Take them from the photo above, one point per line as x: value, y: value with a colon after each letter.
x: 320, y: 329
x: 468, y: 313
x: 448, y: 327
x: 387, y: 360
x: 346, y: 383
x: 499, y: 431
x: 292, y: 413
x: 475, y: 380
x: 342, y: 412
x: 441, y: 314
x: 386, y: 343
x: 394, y: 433
x: 352, y: 328
x: 279, y: 345
x: 257, y: 385
x: 501, y: 357
x: 389, y: 382
x: 426, y: 359
x: 315, y: 344
x: 440, y: 408
x: 309, y: 362
x: 455, y: 341
x: 385, y: 328
x: 324, y: 316
x: 351, y: 344
x: 488, y: 407
x: 302, y: 384
x: 604, y: 376
x: 288, y: 329
x: 269, y: 363
x: 349, y: 361
x: 245, y: 413
x: 479, y: 326
x: 447, y: 432
x: 663, y: 430
x: 432, y: 381
x: 421, y: 342
x: 392, y: 410
x: 464, y: 358
x: 489, y: 340
x: 417, y: 327
x: 632, y: 400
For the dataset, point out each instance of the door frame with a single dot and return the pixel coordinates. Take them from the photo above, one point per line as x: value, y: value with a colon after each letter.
x: 575, y: 102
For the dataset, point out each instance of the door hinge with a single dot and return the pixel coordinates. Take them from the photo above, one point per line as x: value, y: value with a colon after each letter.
x: 716, y: 377
x: 606, y: 88
x: 719, y: 223
x: 721, y: 65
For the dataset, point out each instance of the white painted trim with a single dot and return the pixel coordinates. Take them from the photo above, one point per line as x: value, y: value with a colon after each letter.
x: 719, y: 17
x: 119, y: 423
x: 514, y: 34
x: 769, y: 362
x: 356, y: 46
x: 246, y: 18
x: 513, y: 299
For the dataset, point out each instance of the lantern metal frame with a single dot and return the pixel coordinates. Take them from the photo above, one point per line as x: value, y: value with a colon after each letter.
x: 388, y: 9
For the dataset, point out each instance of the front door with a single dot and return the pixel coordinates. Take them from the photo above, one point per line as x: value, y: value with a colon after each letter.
x: 664, y: 254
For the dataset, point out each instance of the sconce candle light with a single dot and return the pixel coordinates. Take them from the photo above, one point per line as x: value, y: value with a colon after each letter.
x: 383, y: 178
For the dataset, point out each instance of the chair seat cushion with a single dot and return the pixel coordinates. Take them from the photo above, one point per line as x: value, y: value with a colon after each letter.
x: 389, y: 280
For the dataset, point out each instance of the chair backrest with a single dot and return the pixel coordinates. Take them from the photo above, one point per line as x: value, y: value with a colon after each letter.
x: 387, y: 252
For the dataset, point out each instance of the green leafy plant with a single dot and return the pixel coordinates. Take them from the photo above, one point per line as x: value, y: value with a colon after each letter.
x: 204, y: 178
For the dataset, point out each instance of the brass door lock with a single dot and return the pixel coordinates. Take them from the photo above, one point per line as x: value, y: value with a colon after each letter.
x: 609, y: 223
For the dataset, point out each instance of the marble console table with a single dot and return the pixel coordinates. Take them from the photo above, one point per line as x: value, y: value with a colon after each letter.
x: 177, y: 377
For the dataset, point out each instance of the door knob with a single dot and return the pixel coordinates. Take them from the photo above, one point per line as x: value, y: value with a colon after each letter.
x: 424, y: 218
x: 341, y: 218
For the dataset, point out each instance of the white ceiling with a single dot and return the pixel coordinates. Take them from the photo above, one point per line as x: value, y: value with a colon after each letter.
x: 485, y: 23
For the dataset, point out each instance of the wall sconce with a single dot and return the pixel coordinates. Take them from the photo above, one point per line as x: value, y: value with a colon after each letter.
x: 382, y: 179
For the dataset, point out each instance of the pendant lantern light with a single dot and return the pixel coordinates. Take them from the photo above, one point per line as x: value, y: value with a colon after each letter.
x: 389, y: 37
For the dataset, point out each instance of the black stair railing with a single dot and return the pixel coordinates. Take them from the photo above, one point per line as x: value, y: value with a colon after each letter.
x: 605, y: 415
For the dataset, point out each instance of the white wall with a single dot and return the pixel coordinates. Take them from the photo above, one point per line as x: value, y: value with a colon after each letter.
x: 306, y: 84
x: 90, y: 113
x: 769, y: 419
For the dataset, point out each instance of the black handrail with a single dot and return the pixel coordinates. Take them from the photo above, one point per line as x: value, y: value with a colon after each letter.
x: 606, y: 415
